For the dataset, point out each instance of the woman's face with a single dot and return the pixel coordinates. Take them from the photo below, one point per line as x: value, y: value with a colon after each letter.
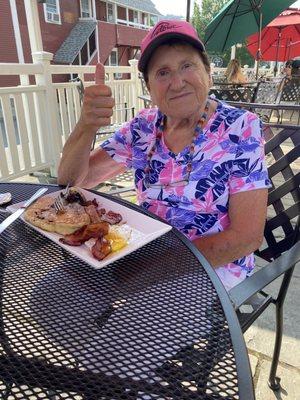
x: 178, y: 81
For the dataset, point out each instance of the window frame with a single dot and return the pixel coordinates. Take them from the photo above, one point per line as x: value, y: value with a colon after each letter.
x: 90, y: 9
x: 51, y: 21
x: 113, y: 21
x: 114, y: 50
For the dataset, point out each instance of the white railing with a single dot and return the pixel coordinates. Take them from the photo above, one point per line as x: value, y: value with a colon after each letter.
x: 132, y: 23
x: 36, y: 120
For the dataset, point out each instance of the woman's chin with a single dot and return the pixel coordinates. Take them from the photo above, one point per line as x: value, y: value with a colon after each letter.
x: 182, y: 113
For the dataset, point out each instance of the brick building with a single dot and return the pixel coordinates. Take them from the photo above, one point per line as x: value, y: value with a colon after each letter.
x: 77, y: 32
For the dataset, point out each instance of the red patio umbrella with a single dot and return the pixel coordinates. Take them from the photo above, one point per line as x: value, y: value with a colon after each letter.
x: 280, y: 39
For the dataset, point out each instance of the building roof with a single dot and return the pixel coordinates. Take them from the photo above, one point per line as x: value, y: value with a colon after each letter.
x: 71, y: 46
x: 141, y: 5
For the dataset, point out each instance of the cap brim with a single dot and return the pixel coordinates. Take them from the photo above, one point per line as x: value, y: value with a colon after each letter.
x: 143, y: 61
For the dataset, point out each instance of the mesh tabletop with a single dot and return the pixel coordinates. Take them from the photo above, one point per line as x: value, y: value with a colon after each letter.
x: 149, y: 326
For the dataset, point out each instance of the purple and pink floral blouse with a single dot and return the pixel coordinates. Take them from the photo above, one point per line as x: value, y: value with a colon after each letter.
x: 228, y: 158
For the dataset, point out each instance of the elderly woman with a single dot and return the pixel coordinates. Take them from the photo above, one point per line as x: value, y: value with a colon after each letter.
x: 198, y: 163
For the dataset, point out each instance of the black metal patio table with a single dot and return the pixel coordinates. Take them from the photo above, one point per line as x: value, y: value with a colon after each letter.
x: 156, y: 324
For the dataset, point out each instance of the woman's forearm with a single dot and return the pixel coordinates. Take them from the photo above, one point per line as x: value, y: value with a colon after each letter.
x: 74, y: 164
x: 227, y: 246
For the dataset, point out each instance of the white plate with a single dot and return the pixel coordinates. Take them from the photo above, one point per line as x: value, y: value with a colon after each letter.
x: 143, y: 230
x: 5, y: 198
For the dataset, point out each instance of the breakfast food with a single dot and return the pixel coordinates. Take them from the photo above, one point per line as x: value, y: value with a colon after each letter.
x: 43, y: 215
x: 80, y: 221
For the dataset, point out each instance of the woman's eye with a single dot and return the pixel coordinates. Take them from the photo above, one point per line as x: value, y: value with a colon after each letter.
x: 187, y: 65
x: 162, y: 73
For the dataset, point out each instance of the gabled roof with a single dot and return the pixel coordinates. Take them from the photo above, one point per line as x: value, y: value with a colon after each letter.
x: 141, y: 5
x: 71, y: 46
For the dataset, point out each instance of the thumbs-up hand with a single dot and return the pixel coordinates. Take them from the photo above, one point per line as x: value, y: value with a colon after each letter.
x: 98, y: 103
x: 100, y: 74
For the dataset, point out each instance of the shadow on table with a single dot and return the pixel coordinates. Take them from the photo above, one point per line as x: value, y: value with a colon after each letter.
x: 132, y: 323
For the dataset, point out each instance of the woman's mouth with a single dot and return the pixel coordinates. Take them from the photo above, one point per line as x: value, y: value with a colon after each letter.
x: 179, y: 96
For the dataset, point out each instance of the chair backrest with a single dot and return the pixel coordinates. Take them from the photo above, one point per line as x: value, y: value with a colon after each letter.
x: 291, y: 90
x: 218, y: 79
x: 267, y: 92
x: 143, y: 85
x: 80, y: 87
x: 282, y: 153
x: 123, y: 112
x: 235, y: 92
x: 145, y: 91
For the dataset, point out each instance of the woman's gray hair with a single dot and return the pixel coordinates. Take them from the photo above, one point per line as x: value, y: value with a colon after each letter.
x: 181, y: 42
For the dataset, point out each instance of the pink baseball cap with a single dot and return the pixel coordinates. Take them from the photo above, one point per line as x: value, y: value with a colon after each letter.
x: 162, y: 32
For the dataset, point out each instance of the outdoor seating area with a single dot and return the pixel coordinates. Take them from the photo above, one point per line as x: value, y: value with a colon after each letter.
x: 131, y: 289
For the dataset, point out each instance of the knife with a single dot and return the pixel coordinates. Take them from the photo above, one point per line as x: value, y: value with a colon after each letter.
x: 20, y: 211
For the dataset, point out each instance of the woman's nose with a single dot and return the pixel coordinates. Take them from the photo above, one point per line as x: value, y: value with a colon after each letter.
x: 177, y: 80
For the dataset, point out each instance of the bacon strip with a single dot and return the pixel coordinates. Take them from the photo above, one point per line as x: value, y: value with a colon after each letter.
x: 85, y: 233
x: 101, y: 248
x: 89, y: 202
x: 111, y: 217
x: 91, y: 210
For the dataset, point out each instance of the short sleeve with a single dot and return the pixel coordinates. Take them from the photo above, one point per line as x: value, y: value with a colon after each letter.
x: 249, y: 170
x: 119, y: 145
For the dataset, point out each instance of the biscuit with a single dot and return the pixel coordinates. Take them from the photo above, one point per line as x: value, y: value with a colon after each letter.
x: 43, y: 215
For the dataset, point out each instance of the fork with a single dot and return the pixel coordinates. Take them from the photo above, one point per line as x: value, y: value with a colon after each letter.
x: 58, y: 202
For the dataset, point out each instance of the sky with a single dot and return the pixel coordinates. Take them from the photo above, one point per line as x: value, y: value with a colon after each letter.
x: 178, y: 7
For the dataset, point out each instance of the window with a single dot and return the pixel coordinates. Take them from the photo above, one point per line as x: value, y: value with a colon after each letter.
x: 87, y: 51
x: 114, y: 62
x: 86, y: 8
x: 52, y: 12
x: 110, y: 13
x: 113, y: 58
x: 153, y: 20
x: 135, y: 17
x: 92, y: 43
x: 145, y: 19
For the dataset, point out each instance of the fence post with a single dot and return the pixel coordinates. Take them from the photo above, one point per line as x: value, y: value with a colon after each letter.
x: 51, y: 125
x: 135, y: 84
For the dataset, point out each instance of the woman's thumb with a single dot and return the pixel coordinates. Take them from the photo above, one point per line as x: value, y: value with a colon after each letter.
x: 99, y: 74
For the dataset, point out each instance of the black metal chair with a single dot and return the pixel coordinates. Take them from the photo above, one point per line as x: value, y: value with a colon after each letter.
x: 281, y: 249
x: 290, y: 94
x: 123, y: 113
x: 145, y: 92
x: 291, y: 90
x: 268, y: 92
x: 245, y: 92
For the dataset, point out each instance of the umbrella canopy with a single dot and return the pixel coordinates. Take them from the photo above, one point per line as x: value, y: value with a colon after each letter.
x: 240, y: 18
x: 280, y: 39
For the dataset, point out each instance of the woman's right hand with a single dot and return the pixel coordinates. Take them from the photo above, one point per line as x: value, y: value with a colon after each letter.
x: 97, y: 105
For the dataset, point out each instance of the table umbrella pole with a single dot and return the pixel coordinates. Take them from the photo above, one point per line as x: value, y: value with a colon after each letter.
x: 258, y: 54
x: 277, y: 52
x: 188, y: 6
x: 288, y: 49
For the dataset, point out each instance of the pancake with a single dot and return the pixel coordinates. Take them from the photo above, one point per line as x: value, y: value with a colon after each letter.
x: 42, y: 215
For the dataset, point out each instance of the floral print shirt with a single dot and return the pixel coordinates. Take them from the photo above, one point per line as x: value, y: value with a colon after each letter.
x: 228, y: 158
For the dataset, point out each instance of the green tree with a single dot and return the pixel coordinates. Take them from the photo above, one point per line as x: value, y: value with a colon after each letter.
x: 197, y: 20
x: 202, y: 17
